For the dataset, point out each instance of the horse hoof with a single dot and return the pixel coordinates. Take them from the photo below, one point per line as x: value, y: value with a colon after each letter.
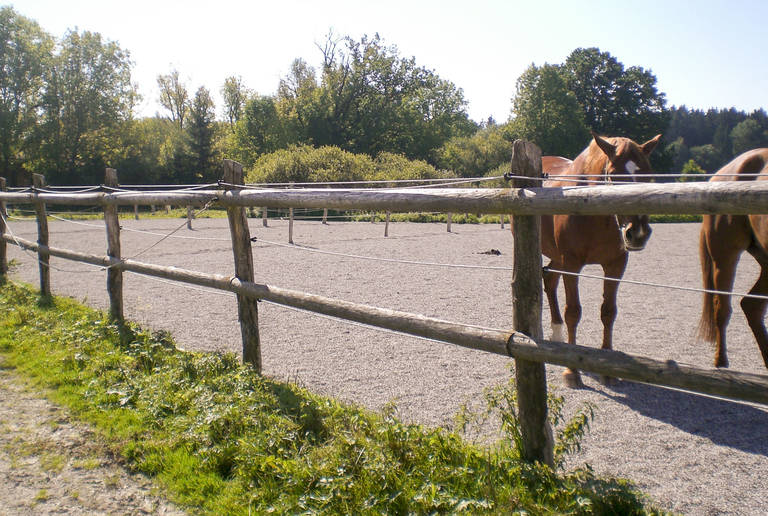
x: 721, y: 363
x: 572, y: 379
x: 608, y: 381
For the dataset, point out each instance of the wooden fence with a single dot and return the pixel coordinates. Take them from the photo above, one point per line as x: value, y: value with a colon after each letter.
x: 526, y: 200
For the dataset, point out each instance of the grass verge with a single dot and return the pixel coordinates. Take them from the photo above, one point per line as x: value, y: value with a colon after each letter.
x: 220, y: 439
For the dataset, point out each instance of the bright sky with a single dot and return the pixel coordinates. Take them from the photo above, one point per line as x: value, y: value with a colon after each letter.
x: 704, y: 53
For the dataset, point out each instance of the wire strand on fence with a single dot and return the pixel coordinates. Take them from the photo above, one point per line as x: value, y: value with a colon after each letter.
x: 657, y: 285
x: 310, y: 312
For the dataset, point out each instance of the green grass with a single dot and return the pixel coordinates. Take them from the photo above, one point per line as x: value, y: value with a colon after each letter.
x: 221, y: 439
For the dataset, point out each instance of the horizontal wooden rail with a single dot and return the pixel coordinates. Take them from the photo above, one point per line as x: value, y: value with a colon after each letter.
x: 737, y: 198
x: 729, y: 384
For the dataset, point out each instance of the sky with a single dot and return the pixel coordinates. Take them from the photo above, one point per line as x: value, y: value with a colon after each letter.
x: 704, y: 54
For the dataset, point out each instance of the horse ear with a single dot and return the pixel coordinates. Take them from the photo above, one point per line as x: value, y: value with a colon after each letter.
x: 608, y: 148
x: 650, y: 144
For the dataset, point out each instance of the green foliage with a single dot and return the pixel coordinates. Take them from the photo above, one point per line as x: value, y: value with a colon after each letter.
x: 616, y: 101
x: 691, y: 169
x: 305, y: 164
x: 223, y: 440
x: 547, y: 113
x: 88, y: 100
x: 25, y: 54
x: 473, y: 156
x: 201, y: 131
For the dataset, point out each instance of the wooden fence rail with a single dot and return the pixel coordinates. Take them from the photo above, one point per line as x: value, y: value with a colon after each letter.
x: 736, y: 198
x: 525, y: 200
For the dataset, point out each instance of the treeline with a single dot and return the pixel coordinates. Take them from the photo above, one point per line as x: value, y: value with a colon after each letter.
x: 67, y: 111
x: 705, y: 140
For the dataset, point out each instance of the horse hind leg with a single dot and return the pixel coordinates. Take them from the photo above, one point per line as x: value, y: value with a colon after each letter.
x: 755, y: 308
x: 551, y: 281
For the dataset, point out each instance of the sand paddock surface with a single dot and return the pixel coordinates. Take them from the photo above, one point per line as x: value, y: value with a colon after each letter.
x: 690, y: 453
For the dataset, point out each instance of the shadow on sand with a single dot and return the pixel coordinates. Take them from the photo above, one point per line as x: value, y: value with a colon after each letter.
x: 727, y: 423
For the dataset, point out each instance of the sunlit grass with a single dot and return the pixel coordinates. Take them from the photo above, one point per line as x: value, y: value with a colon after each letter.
x: 224, y: 440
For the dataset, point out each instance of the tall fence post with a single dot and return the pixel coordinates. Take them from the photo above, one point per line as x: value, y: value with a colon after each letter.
x: 531, y: 376
x: 190, y: 216
x: 449, y: 219
x: 114, y: 274
x: 43, y: 258
x: 3, y: 245
x: 247, y: 308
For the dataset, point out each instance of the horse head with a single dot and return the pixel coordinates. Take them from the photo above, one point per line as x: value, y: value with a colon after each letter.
x: 625, y: 158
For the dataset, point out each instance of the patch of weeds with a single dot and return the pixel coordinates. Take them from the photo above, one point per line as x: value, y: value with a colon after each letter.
x: 112, y: 481
x: 41, y: 496
x: 87, y: 463
x: 52, y: 462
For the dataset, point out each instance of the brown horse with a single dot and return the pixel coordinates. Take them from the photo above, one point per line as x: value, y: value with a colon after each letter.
x: 573, y: 241
x: 723, y: 239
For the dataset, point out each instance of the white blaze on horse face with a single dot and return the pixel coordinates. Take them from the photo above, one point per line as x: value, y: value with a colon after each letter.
x: 631, y: 167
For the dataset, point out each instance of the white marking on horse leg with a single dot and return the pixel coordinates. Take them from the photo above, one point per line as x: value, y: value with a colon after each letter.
x: 558, y: 332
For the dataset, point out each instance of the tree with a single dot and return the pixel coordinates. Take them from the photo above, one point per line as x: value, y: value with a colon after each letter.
x: 200, y: 128
x: 259, y: 131
x: 748, y: 135
x: 174, y: 96
x: 690, y: 171
x: 371, y: 100
x: 235, y: 96
x: 615, y: 101
x: 707, y: 157
x: 89, y: 96
x: 547, y: 113
x: 473, y: 156
x: 25, y: 53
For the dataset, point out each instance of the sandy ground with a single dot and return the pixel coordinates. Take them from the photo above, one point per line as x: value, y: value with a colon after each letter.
x: 50, y: 464
x: 690, y: 453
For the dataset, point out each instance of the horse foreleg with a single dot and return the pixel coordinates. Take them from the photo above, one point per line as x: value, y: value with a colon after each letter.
x: 572, y: 317
x: 551, y: 280
x: 608, y: 310
x: 754, y: 309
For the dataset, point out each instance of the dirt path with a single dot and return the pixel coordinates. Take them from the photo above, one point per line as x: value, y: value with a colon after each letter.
x: 50, y: 464
x: 691, y: 453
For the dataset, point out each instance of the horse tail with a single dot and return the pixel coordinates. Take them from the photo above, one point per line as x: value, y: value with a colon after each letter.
x: 707, y: 328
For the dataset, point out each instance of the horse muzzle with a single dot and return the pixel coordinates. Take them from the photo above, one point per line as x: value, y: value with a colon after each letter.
x: 635, y: 235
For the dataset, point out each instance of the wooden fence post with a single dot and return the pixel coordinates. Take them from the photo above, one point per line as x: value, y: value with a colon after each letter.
x: 3, y: 244
x: 190, y: 216
x: 114, y: 274
x: 264, y: 215
x: 43, y: 258
x: 386, y: 224
x: 290, y: 225
x: 247, y: 308
x: 136, y: 211
x: 531, y: 377
x: 449, y: 220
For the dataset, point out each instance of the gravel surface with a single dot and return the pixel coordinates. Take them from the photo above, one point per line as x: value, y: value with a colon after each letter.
x: 692, y: 454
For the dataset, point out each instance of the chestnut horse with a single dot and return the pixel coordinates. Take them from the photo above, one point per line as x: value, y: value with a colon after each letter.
x: 573, y: 241
x: 723, y: 239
